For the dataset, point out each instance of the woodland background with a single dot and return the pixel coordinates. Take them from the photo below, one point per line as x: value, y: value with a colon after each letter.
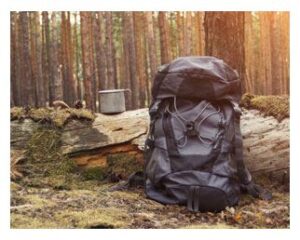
x: 70, y: 164
x: 71, y: 55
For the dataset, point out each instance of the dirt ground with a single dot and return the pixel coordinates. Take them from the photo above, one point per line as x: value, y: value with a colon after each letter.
x: 94, y: 204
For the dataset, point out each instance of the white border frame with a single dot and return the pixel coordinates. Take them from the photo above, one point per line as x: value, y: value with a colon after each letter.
x: 146, y: 5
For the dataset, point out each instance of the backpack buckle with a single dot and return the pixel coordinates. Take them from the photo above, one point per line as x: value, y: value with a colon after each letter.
x: 190, y: 129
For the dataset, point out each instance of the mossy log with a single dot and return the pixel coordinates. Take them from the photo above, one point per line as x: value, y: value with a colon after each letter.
x: 91, y: 144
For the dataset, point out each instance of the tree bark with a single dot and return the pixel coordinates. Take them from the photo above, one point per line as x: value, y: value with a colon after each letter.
x: 99, y: 45
x: 87, y: 57
x: 55, y: 67
x: 179, y: 23
x: 140, y: 58
x: 188, y: 34
x: 109, y: 50
x: 77, y: 56
x: 198, y: 33
x: 249, y: 52
x: 173, y: 35
x: 265, y: 52
x: 126, y: 60
x: 224, y: 38
x: 67, y: 59
x: 15, y: 62
x: 26, y: 70
x: 164, y: 38
x: 40, y: 85
x: 275, y: 55
x: 151, y: 49
x: 285, y: 50
x: 46, y: 60
x: 132, y: 60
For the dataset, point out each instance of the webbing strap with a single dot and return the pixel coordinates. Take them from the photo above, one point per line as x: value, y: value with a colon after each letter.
x: 193, y: 198
x: 244, y: 175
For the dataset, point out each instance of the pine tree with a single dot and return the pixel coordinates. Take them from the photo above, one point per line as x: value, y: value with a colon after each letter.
x: 224, y: 38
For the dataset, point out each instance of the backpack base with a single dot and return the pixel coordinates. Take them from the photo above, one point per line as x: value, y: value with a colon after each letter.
x: 202, y: 192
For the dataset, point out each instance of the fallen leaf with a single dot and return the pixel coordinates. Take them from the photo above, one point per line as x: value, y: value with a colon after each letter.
x: 237, y: 217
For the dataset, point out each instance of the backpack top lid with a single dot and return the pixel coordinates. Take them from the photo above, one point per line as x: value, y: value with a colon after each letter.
x: 195, y: 77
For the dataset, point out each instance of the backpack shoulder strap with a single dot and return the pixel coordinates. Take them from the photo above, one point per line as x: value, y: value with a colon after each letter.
x: 243, y: 173
x: 247, y: 183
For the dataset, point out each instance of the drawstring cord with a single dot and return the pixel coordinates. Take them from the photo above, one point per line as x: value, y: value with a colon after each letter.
x: 181, y: 120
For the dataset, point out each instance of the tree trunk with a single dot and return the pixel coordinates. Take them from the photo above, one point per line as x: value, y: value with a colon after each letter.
x: 99, y: 45
x: 164, y: 38
x: 87, y: 57
x: 275, y: 55
x: 151, y: 46
x: 15, y: 62
x: 198, y: 37
x: 249, y: 52
x: 265, y: 51
x: 132, y: 60
x: 32, y: 60
x: 285, y: 50
x: 224, y: 38
x: 109, y: 50
x: 26, y: 70
x: 188, y: 34
x: 140, y: 58
x: 173, y: 35
x: 77, y: 56
x: 67, y: 59
x: 126, y: 60
x: 180, y: 32
x: 55, y: 67
x: 48, y: 78
x: 40, y: 85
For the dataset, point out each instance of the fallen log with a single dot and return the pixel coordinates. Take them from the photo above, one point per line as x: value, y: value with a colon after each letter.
x: 90, y: 144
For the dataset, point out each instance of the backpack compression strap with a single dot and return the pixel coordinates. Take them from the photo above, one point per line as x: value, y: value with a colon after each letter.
x: 244, y: 175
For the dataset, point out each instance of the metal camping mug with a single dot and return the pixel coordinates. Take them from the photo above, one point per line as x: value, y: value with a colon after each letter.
x: 112, y: 101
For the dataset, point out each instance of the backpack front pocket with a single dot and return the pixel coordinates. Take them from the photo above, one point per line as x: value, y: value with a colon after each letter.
x: 192, y: 135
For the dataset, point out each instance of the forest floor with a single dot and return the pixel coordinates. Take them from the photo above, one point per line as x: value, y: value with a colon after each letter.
x: 46, y: 203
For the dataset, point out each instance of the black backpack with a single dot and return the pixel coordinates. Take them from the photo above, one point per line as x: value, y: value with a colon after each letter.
x: 194, y: 149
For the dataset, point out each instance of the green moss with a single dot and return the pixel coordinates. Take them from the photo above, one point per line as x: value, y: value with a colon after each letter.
x: 40, y: 114
x: 60, y: 182
x: 56, y: 117
x: 15, y: 186
x: 132, y: 196
x: 65, y: 166
x: 94, y: 173
x: 37, y: 202
x: 17, y: 113
x: 60, y: 117
x: 19, y: 220
x: 82, y: 114
x: 45, y: 159
x: 93, y: 218
x: 122, y: 165
x: 43, y: 146
x: 276, y: 106
x: 246, y: 100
